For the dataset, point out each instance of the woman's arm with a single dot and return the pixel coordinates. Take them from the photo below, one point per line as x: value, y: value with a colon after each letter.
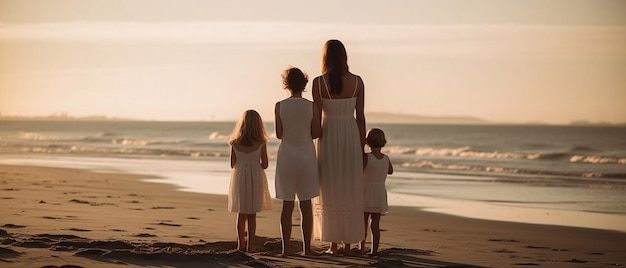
x: 360, y: 114
x: 316, y: 127
x: 316, y: 124
x: 278, y: 122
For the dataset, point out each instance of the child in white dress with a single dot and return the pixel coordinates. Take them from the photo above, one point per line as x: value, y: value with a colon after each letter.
x: 376, y: 167
x: 297, y: 124
x: 248, y: 192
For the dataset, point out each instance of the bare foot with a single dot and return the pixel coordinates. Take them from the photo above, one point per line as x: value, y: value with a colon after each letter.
x: 286, y: 253
x: 242, y: 245
x: 331, y: 252
x: 332, y: 249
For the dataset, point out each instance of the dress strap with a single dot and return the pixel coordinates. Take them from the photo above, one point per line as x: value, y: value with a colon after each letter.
x: 325, y: 85
x: 356, y: 87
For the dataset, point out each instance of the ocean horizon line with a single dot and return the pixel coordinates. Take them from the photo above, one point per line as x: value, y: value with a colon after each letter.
x: 372, y: 117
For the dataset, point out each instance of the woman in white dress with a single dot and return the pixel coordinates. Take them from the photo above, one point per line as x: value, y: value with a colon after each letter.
x: 339, y: 96
x: 297, y: 124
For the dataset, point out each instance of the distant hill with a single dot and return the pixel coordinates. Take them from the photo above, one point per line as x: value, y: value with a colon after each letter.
x: 420, y: 119
x: 65, y: 117
x: 590, y: 123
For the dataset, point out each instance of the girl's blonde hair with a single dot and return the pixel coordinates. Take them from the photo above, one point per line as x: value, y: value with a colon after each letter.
x: 249, y: 130
x: 376, y: 138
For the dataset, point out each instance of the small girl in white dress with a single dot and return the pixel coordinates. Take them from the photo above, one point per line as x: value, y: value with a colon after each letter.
x: 376, y: 167
x: 248, y: 192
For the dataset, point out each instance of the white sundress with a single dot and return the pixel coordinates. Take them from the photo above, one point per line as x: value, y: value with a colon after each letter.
x: 338, y: 211
x: 248, y: 193
x: 374, y: 177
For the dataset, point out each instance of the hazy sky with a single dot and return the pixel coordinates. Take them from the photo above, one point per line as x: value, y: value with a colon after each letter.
x: 501, y: 60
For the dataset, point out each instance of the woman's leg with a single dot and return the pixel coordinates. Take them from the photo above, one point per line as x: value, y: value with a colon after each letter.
x: 241, y: 231
x: 346, y: 249
x: 286, y: 225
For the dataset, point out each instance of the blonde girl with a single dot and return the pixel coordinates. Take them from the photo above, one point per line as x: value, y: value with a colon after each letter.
x: 248, y: 192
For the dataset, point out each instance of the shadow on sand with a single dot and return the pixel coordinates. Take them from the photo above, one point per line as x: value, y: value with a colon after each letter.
x: 213, y: 254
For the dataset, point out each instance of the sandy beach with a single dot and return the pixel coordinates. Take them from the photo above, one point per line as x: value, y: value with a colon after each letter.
x: 54, y: 217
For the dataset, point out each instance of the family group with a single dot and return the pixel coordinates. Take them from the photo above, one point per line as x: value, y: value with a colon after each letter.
x: 321, y: 161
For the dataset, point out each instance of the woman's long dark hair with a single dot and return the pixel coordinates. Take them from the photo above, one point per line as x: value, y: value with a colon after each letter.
x: 334, y: 64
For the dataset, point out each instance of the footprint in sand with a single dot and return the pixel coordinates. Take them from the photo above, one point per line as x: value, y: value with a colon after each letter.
x: 78, y: 230
x: 169, y: 224
x: 576, y: 261
x: 503, y: 240
x: 504, y: 251
x: 144, y: 235
x: 14, y: 226
x: 8, y: 253
x: 538, y: 247
x: 163, y: 208
x: 434, y: 230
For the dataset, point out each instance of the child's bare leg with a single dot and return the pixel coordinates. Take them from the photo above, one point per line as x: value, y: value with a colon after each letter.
x: 366, y: 216
x: 375, y: 232
x: 286, y: 225
x: 241, y: 231
x: 306, y: 211
x: 251, y: 232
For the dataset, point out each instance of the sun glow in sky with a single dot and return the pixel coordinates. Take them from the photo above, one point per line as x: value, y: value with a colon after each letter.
x: 510, y: 61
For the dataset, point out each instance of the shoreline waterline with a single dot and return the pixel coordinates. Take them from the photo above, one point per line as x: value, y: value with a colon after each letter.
x: 212, y: 177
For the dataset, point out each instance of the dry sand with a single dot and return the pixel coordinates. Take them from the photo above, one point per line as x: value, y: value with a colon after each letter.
x: 52, y: 217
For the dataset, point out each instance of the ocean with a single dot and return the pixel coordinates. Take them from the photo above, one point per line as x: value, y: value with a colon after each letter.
x: 564, y: 175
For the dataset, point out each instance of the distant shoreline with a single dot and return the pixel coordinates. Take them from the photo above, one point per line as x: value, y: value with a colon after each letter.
x: 376, y: 118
